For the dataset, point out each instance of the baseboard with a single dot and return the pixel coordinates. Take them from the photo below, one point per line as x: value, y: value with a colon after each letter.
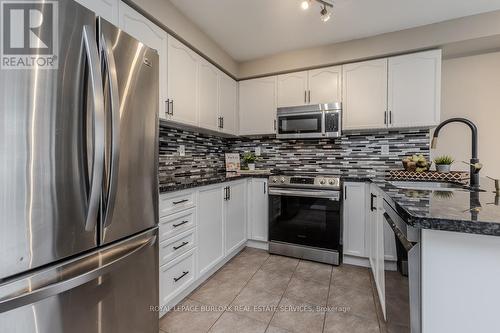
x: 356, y: 261
x: 198, y: 282
x: 258, y: 244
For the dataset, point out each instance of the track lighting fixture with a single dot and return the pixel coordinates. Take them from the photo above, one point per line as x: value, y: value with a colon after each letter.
x: 325, y: 15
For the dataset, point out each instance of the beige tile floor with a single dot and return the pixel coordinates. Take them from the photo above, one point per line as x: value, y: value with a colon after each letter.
x: 258, y: 292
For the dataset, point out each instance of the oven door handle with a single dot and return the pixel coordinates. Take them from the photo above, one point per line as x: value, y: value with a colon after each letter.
x: 332, y: 195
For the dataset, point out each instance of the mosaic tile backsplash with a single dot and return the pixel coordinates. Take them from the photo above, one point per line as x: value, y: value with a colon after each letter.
x: 352, y: 154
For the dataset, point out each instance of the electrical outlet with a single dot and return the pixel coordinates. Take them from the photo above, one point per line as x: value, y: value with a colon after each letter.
x: 385, y: 149
x: 182, y: 150
x: 258, y: 151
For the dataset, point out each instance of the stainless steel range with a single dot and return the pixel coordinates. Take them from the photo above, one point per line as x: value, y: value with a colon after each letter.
x: 305, y: 217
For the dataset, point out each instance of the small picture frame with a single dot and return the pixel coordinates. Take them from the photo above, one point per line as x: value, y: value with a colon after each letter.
x: 233, y: 162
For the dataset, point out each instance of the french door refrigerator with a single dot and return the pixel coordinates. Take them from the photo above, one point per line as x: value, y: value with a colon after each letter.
x: 79, y: 183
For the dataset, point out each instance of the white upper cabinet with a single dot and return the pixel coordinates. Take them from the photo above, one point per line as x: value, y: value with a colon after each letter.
x: 354, y: 219
x: 228, y: 104
x: 414, y: 94
x: 325, y: 85
x: 317, y: 86
x: 152, y: 36
x: 107, y: 9
x: 258, y: 106
x: 182, y: 82
x: 364, y: 94
x: 292, y: 89
x: 208, y: 96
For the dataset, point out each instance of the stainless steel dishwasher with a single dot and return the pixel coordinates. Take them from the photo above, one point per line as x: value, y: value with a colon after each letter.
x: 403, y: 287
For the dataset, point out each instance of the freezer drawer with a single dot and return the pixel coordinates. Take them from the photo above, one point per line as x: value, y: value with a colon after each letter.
x: 176, y: 276
x: 173, y: 225
x: 111, y: 290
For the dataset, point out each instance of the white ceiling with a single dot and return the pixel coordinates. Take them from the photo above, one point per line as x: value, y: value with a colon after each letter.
x: 250, y: 29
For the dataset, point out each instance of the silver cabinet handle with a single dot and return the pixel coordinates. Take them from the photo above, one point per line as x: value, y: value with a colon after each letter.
x: 309, y: 96
x: 385, y: 117
x: 275, y: 124
x: 109, y: 61
x: 69, y: 275
x: 171, y: 107
x: 305, y: 96
x: 95, y: 181
x: 222, y: 122
x: 167, y: 107
x: 390, y: 117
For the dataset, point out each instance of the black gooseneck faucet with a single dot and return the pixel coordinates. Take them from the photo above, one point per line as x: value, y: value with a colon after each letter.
x: 475, y: 166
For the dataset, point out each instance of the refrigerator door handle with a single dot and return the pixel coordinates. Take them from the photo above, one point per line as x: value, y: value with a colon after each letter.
x: 92, y: 54
x: 69, y: 276
x: 109, y: 61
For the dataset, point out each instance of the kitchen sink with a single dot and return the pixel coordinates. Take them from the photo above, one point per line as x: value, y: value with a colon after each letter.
x: 427, y: 186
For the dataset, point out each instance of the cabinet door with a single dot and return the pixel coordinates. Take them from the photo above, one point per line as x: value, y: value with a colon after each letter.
x: 210, y: 233
x: 364, y: 94
x: 228, y: 103
x: 152, y: 36
x: 107, y: 9
x: 258, y: 106
x: 390, y: 253
x: 414, y: 95
x: 235, y: 216
x: 182, y: 82
x: 292, y: 89
x: 258, y: 210
x: 380, y: 278
x: 325, y: 85
x: 354, y: 219
x: 208, y: 94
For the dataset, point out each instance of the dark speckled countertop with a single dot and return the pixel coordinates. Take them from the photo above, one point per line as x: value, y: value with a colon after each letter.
x: 204, y: 179
x: 458, y: 210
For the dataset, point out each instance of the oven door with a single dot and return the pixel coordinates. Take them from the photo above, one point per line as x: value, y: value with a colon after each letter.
x: 305, y: 217
x: 301, y: 125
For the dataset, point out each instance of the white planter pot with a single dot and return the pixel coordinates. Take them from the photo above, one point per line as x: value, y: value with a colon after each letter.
x: 251, y: 166
x: 443, y: 168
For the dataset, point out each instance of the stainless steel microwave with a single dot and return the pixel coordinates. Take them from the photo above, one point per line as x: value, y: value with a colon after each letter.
x: 310, y: 121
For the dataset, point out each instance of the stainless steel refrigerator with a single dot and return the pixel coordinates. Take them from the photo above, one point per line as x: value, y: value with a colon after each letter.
x: 79, y: 183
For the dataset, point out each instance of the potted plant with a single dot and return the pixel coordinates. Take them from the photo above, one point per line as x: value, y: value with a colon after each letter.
x: 443, y: 163
x: 249, y: 158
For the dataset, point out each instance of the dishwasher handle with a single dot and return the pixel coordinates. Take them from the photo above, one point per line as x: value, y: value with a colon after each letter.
x: 399, y: 234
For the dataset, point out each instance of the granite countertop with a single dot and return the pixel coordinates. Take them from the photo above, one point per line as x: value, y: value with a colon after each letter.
x: 192, y: 181
x: 458, y: 210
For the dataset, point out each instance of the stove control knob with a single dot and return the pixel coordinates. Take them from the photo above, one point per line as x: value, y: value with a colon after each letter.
x: 322, y: 181
x: 275, y: 180
x: 331, y: 182
x: 282, y: 179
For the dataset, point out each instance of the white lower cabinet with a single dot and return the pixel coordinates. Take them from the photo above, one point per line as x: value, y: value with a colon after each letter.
x: 235, y: 216
x: 258, y: 209
x: 176, y: 276
x: 210, y: 228
x: 354, y: 219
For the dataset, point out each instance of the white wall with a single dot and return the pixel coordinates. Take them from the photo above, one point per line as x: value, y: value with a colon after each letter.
x: 471, y: 89
x: 165, y: 12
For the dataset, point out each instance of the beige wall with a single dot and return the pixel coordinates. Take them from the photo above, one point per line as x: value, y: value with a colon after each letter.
x: 173, y: 19
x: 471, y: 89
x: 452, y: 32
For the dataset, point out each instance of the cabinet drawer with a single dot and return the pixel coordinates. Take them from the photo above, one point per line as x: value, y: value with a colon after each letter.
x: 176, y: 276
x: 176, y: 246
x: 176, y: 203
x: 175, y: 224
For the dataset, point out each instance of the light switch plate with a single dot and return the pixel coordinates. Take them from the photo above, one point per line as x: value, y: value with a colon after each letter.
x: 258, y: 151
x: 385, y: 149
x: 182, y: 150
